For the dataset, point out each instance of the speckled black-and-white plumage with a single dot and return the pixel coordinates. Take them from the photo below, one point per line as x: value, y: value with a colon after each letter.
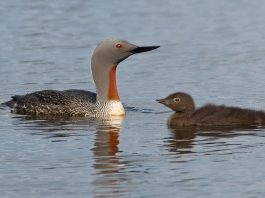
x: 56, y: 103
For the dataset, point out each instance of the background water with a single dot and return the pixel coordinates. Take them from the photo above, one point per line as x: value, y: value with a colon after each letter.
x: 214, y: 50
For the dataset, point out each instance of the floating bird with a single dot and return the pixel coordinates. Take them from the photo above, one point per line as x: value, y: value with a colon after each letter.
x: 209, y: 115
x: 105, y: 102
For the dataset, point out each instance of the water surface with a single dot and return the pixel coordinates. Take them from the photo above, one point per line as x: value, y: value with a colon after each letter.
x: 213, y: 50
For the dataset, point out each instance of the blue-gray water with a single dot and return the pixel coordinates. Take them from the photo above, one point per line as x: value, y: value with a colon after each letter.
x: 214, y: 50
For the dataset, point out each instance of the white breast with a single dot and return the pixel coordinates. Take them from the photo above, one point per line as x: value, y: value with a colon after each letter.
x: 115, y: 108
x: 108, y: 108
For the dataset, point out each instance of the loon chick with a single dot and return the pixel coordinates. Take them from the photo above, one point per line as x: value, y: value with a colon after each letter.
x: 105, y: 102
x: 208, y: 115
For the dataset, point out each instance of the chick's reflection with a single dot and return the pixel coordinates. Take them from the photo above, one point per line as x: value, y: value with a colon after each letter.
x: 181, y: 140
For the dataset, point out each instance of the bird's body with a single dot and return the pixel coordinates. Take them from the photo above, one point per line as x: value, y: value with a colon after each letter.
x: 210, y: 114
x: 55, y: 103
x: 219, y: 115
x: 105, y: 102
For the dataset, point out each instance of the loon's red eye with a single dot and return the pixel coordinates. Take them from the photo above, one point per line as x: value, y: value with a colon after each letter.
x: 119, y: 45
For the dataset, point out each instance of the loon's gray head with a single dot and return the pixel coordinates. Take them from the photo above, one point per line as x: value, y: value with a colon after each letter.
x: 113, y: 51
x: 105, y: 58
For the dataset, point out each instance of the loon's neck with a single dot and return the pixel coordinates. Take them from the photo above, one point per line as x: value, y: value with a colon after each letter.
x: 105, y: 81
x: 108, y: 99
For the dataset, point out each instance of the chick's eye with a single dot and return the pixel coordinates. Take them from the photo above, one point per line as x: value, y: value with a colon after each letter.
x: 176, y: 99
x: 118, y: 45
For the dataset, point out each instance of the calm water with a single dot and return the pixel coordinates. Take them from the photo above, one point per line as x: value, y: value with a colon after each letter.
x: 214, y: 50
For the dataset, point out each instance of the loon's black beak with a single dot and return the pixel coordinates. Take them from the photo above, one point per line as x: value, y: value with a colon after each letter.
x: 143, y: 49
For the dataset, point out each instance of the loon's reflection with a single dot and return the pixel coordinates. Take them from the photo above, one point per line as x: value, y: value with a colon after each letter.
x: 107, y: 164
x: 106, y: 130
x: 106, y: 145
x: 105, y: 161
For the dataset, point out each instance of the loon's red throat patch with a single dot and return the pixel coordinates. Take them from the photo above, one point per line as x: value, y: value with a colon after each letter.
x: 113, y: 92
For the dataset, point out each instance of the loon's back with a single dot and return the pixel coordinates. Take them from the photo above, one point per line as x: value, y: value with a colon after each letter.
x: 71, y: 102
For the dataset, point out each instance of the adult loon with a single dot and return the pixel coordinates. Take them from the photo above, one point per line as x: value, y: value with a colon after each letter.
x: 80, y: 103
x: 208, y: 115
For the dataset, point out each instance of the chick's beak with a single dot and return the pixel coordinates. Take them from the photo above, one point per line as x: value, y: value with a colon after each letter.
x: 162, y: 101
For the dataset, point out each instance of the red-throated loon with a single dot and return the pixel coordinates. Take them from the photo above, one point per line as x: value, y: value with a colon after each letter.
x: 208, y: 115
x: 105, y: 102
